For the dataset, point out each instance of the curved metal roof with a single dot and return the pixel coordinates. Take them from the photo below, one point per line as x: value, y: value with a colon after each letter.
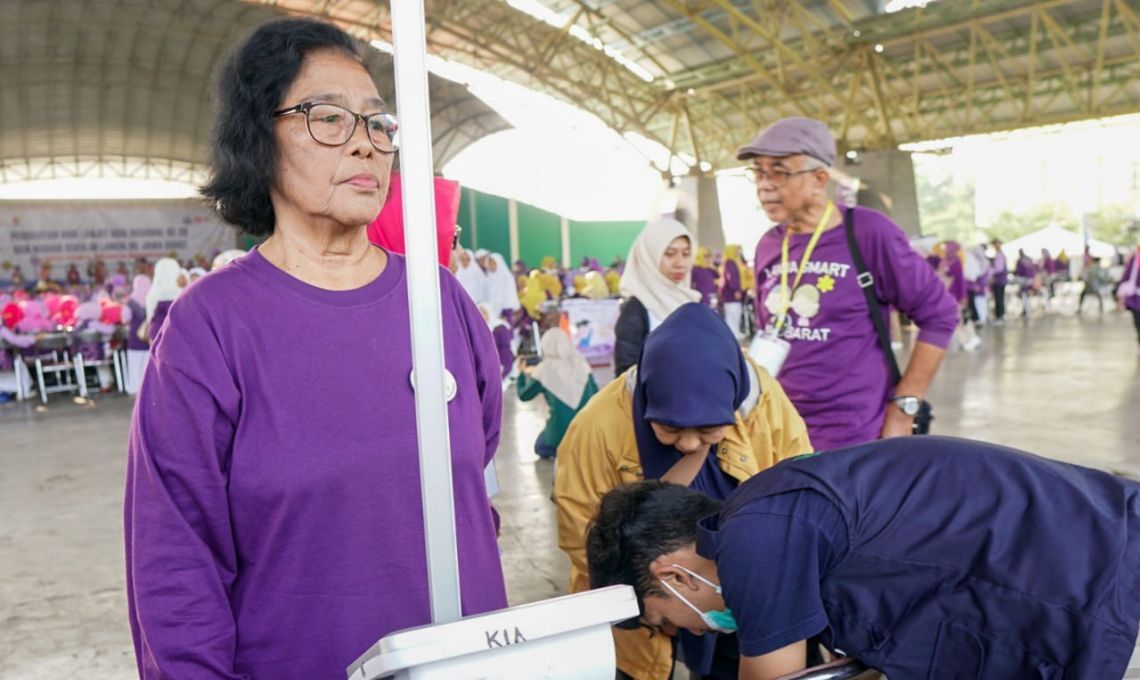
x: 90, y: 80
x: 128, y: 83
x: 719, y: 70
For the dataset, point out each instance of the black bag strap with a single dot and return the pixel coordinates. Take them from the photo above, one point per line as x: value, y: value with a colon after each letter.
x: 867, y: 282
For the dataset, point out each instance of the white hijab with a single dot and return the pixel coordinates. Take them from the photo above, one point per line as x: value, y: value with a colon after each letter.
x: 643, y: 278
x: 563, y: 371
x: 977, y: 264
x: 502, y: 289
x: 472, y: 278
x: 164, y: 287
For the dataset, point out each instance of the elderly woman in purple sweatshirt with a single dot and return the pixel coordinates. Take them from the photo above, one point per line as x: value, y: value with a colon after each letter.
x: 273, y: 513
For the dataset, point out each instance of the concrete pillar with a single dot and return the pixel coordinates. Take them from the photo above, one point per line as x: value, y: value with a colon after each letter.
x: 887, y: 179
x: 513, y: 228
x: 564, y: 227
x: 700, y: 209
x: 473, y: 215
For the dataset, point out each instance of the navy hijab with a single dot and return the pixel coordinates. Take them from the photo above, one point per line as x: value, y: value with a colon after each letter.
x: 691, y: 373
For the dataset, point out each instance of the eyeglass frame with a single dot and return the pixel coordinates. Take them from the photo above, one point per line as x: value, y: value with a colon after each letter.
x: 306, y: 107
x: 752, y: 171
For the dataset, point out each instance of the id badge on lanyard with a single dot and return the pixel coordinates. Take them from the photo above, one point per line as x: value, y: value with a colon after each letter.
x: 769, y: 350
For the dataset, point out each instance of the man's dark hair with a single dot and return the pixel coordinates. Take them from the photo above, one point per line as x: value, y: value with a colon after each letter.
x: 250, y: 85
x: 636, y: 524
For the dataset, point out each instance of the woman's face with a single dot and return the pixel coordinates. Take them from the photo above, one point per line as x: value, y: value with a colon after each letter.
x: 345, y: 185
x: 678, y: 260
x: 689, y: 440
x: 492, y: 265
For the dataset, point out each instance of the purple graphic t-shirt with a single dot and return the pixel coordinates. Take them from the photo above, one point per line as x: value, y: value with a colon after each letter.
x: 836, y: 374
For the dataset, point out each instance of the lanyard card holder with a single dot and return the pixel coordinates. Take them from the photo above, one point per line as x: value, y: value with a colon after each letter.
x: 770, y: 351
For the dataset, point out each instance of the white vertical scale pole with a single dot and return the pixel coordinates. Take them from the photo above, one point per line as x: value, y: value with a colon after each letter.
x: 424, y: 309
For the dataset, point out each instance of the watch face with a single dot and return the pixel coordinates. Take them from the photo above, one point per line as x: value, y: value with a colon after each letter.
x: 909, y: 405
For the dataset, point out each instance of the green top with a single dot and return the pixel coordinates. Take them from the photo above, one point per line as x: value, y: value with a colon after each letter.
x: 560, y: 413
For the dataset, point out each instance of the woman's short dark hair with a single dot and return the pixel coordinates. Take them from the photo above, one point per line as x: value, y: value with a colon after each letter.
x: 250, y: 85
x: 637, y: 523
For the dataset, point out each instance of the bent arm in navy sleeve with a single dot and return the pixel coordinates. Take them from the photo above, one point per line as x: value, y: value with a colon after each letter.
x: 770, y: 561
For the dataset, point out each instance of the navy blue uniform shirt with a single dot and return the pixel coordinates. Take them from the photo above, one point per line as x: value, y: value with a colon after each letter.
x: 932, y: 557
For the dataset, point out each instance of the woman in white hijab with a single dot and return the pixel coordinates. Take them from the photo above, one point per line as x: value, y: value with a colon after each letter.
x: 656, y: 282
x: 169, y: 279
x: 564, y: 378
x: 471, y: 277
x: 138, y: 348
x: 502, y: 289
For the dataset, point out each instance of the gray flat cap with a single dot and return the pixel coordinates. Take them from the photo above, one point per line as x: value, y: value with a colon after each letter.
x: 792, y: 136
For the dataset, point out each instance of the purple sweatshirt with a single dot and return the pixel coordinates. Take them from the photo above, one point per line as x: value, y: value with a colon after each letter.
x: 836, y: 374
x: 273, y: 513
x: 1025, y: 268
x: 156, y: 323
x: 999, y: 269
x: 1131, y: 274
x: 502, y: 337
x: 138, y: 316
x: 704, y: 282
x: 956, y: 284
x: 730, y: 289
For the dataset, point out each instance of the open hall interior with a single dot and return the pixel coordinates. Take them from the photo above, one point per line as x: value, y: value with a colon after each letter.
x: 858, y: 280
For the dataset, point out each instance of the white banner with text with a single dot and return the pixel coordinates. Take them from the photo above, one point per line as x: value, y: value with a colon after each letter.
x: 65, y: 233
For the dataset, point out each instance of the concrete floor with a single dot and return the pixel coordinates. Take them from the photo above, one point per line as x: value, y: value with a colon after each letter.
x: 1061, y: 387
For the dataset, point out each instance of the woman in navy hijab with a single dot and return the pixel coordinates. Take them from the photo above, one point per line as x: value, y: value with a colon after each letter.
x: 696, y: 412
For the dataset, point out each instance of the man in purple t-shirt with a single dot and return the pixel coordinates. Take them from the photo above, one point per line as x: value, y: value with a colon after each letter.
x: 808, y: 294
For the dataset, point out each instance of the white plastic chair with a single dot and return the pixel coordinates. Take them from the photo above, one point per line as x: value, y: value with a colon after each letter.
x: 112, y: 359
x: 53, y: 356
x: 19, y: 369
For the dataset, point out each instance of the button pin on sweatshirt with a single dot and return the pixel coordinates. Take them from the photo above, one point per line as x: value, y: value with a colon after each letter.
x: 450, y: 387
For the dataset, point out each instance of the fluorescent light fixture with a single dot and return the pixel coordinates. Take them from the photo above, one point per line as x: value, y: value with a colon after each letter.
x: 899, y: 5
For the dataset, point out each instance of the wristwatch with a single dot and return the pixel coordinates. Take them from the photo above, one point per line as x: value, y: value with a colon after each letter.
x: 908, y: 405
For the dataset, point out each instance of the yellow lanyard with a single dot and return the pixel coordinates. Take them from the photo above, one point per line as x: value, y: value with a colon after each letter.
x: 785, y: 293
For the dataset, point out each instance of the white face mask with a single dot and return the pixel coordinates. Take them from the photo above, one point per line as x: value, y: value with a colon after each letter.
x: 719, y: 621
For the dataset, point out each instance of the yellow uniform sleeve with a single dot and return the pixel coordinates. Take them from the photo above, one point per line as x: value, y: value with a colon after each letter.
x: 585, y: 472
x: 589, y: 464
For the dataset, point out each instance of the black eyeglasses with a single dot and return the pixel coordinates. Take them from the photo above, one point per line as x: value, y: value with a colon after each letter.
x: 334, y: 125
x: 776, y: 177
